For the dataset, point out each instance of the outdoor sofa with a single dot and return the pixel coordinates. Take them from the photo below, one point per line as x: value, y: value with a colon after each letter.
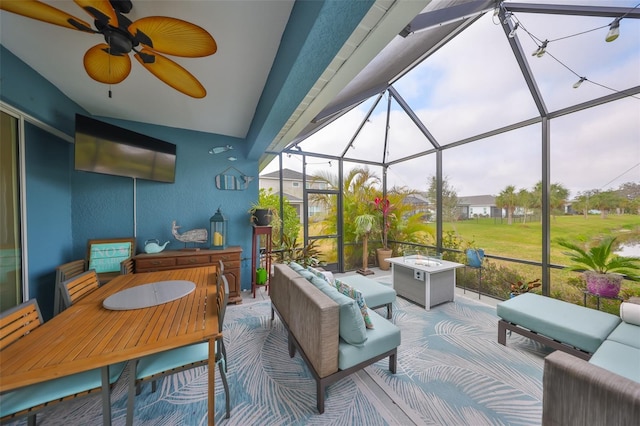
x: 594, y: 376
x: 328, y: 328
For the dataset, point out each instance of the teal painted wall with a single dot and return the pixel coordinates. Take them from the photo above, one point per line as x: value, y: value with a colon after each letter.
x: 102, y: 206
x: 48, y: 212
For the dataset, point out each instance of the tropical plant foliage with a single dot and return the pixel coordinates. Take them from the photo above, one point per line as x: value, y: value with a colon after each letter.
x: 268, y: 200
x: 601, y: 259
x: 361, y: 186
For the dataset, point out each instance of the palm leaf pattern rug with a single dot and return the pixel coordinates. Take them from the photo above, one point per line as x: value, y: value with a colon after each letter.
x: 451, y: 371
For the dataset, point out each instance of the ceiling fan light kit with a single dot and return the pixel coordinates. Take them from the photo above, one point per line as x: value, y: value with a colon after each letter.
x: 109, y: 62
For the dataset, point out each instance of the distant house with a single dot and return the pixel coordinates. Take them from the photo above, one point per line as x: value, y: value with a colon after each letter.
x: 420, y: 204
x: 293, y: 190
x: 478, y: 206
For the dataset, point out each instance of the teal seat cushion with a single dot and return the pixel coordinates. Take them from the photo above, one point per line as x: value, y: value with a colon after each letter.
x: 375, y: 293
x: 352, y: 328
x: 383, y: 337
x: 174, y: 358
x: 627, y: 334
x: 574, y: 325
x: 618, y: 358
x: 40, y: 393
x: 296, y: 266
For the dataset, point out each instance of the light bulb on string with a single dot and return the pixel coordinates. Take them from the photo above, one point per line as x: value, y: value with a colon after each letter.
x: 579, y: 82
x: 614, y: 30
x: 541, y: 49
x: 512, y: 34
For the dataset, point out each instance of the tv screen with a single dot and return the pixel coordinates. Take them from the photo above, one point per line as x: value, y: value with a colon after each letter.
x: 107, y: 149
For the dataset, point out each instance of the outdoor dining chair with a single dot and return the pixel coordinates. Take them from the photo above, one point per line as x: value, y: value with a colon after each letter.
x: 126, y: 266
x: 79, y: 286
x: 63, y: 273
x: 156, y: 366
x: 18, y: 322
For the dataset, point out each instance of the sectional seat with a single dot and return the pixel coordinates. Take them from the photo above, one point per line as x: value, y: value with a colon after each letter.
x: 601, y: 388
x: 328, y: 328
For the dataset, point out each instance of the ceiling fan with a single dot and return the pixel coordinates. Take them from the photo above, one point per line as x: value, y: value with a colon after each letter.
x: 109, y: 62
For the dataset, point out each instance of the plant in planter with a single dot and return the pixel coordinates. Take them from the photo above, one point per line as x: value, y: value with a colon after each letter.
x: 602, y: 268
x: 520, y: 287
x: 363, y: 227
x: 262, y: 212
x: 384, y: 207
x: 474, y: 254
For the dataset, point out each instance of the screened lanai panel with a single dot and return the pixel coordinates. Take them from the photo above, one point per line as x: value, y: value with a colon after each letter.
x: 444, y: 19
x: 414, y: 174
x: 472, y: 86
x: 404, y: 138
x: 577, y: 48
x: 335, y: 138
x: 479, y: 174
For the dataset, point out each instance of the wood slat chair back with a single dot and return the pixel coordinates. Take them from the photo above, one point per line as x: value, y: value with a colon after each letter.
x: 126, y: 266
x: 79, y: 286
x: 16, y: 323
x: 19, y: 321
x: 63, y: 273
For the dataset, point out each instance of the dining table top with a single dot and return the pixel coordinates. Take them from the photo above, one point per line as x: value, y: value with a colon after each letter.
x: 86, y: 335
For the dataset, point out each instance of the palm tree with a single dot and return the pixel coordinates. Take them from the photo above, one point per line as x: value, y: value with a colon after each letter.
x: 363, y: 226
x: 526, y: 201
x: 508, y: 200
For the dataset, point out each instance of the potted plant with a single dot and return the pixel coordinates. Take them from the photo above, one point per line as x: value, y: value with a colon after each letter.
x: 602, y: 268
x: 260, y: 215
x: 520, y: 287
x: 384, y: 207
x: 474, y: 254
x: 364, y: 225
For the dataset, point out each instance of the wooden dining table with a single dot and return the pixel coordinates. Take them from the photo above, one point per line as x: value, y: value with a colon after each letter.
x: 87, y: 336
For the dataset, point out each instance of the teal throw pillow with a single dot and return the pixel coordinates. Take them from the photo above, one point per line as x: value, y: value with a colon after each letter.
x: 356, y: 295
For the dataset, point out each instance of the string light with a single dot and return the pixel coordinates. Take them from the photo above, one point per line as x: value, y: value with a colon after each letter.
x: 579, y: 82
x: 540, y: 51
x: 614, y: 30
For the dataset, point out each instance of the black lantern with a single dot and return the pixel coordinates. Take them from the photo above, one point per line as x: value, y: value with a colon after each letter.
x: 218, y: 228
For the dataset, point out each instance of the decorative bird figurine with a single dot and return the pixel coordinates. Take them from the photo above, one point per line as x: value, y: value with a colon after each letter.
x: 193, y: 236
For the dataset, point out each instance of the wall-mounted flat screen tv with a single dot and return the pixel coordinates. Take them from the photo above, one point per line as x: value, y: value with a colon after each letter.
x: 107, y: 149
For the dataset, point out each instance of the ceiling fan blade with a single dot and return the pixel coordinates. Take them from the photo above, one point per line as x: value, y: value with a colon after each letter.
x: 172, y: 74
x: 45, y: 13
x: 173, y: 36
x: 101, y: 10
x: 106, y: 68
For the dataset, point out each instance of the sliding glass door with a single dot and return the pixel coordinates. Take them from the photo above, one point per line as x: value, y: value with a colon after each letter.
x: 10, y: 241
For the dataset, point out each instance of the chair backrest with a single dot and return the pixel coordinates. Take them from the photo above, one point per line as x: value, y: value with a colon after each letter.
x: 63, y: 273
x: 221, y: 267
x: 79, y: 286
x: 19, y: 321
x: 223, y: 299
x: 126, y: 266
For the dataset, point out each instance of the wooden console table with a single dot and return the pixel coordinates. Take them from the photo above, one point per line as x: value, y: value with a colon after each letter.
x: 178, y: 259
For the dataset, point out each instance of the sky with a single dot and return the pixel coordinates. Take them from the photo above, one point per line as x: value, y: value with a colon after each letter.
x: 473, y: 85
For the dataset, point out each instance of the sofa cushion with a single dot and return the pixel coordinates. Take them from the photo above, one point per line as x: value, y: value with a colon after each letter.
x: 575, y: 325
x: 356, y: 295
x: 382, y: 338
x: 352, y: 328
x: 627, y: 334
x: 630, y: 313
x: 296, y: 266
x: 618, y: 358
x: 376, y: 294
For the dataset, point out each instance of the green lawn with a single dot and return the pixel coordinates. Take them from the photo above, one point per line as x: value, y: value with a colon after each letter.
x: 524, y: 241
